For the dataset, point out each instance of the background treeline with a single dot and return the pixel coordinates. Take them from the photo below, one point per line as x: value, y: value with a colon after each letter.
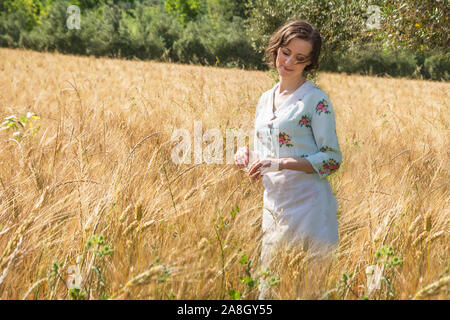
x: 411, y: 40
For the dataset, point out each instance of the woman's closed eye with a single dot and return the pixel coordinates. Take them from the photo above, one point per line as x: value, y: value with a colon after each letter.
x: 298, y: 59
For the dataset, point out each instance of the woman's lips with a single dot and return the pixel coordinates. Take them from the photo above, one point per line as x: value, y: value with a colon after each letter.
x: 287, y: 69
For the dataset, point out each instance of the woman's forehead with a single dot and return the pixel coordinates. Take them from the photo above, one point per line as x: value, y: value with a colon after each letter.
x: 299, y: 46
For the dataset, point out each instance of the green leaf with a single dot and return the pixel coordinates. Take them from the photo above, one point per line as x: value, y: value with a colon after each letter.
x: 234, y: 211
x: 22, y: 118
x: 235, y: 295
x: 248, y: 281
x: 274, y: 281
x: 244, y: 259
x: 77, y: 294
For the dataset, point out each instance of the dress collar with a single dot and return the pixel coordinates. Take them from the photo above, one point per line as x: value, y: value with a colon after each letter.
x: 298, y: 94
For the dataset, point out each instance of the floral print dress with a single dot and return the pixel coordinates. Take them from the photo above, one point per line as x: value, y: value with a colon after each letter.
x: 298, y: 206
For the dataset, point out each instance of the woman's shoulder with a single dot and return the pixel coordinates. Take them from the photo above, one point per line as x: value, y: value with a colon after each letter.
x: 315, y: 95
x: 263, y: 98
x: 268, y: 92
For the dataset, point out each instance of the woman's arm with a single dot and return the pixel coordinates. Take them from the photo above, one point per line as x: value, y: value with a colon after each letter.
x: 299, y: 164
x: 329, y: 157
x: 262, y: 166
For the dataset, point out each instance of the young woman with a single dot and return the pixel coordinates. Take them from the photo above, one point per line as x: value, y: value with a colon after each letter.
x: 295, y: 147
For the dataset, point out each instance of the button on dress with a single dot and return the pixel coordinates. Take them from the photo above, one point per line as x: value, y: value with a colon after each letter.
x: 298, y: 207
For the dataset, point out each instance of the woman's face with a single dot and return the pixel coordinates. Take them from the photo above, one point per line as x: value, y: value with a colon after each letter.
x: 293, y: 58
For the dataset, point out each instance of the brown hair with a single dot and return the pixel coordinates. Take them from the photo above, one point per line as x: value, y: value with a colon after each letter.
x: 295, y: 29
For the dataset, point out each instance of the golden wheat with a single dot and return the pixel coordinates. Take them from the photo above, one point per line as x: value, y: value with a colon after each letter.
x: 432, y: 288
x: 101, y: 164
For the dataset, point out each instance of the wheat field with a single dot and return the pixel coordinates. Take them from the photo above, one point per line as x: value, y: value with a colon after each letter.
x: 92, y: 206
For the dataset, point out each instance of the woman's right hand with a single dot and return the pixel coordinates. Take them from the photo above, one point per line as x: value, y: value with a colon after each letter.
x: 242, y: 157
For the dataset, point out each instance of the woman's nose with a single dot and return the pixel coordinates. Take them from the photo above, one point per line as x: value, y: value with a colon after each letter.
x: 289, y: 60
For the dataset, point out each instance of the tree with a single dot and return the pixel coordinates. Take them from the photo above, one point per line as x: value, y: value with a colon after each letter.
x: 226, y: 9
x: 414, y: 25
x: 417, y: 25
x: 342, y: 24
x: 185, y: 10
x: 31, y: 10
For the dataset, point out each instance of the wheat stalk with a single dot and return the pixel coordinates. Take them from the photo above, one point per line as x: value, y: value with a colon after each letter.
x: 436, y: 236
x: 432, y: 288
x: 415, y: 224
x: 37, y: 283
x: 419, y: 239
x: 131, y: 227
x: 125, y: 214
x: 141, y: 279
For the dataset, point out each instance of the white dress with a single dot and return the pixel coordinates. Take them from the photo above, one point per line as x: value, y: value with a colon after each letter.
x: 298, y: 206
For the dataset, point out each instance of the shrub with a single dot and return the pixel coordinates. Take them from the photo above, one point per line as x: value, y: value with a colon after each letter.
x: 156, y: 22
x: 231, y: 46
x: 372, y: 62
x: 437, y: 67
x: 53, y: 34
x: 11, y: 28
x: 190, y: 47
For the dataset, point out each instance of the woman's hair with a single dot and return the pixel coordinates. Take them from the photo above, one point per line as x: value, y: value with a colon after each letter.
x: 295, y: 29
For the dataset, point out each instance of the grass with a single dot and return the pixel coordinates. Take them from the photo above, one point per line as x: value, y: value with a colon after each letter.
x: 100, y: 164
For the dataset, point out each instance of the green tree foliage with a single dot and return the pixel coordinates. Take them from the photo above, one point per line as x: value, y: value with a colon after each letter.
x: 185, y: 10
x: 437, y: 67
x: 342, y: 24
x: 226, y: 9
x: 145, y: 32
x: 414, y: 25
x: 369, y: 62
x: 106, y: 30
x: 31, y: 11
x: 153, y: 33
x: 52, y: 34
x: 417, y: 25
x: 222, y: 44
x: 90, y: 4
x: 410, y: 39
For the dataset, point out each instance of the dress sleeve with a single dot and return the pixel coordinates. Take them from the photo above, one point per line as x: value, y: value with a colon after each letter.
x: 328, y: 159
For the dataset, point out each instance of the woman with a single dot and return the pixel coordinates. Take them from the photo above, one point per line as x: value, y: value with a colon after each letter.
x: 295, y: 147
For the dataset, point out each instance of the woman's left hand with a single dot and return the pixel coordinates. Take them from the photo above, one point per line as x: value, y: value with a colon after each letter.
x: 262, y: 166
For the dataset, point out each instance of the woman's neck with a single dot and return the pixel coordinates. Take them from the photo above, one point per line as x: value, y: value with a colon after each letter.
x: 288, y: 86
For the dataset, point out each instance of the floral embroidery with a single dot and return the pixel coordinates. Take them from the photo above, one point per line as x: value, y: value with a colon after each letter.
x: 305, y: 121
x: 322, y: 106
x: 329, y: 166
x: 284, y: 139
x: 325, y: 149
